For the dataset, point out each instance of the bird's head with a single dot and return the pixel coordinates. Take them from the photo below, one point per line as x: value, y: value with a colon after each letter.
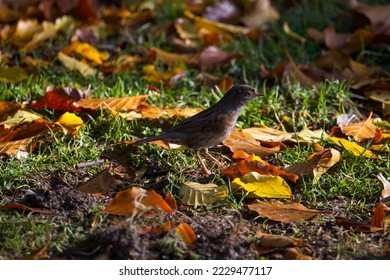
x: 241, y: 94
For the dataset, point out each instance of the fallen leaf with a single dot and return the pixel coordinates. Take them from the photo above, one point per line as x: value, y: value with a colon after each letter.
x: 240, y: 140
x: 265, y: 186
x: 277, y: 211
x: 213, y: 56
x: 317, y: 164
x: 294, y: 35
x: 70, y: 124
x: 40, y: 253
x: 385, y: 194
x: 136, y: 201
x: 256, y: 164
x: 352, y: 147
x: 76, y: 65
x: 357, y: 226
x: 193, y: 193
x: 151, y: 74
x: 48, y: 31
x: 100, y: 183
x: 294, y: 254
x: 13, y: 74
x: 87, y: 51
x: 217, y: 26
x: 129, y: 103
x: 152, y: 112
x: 379, y: 216
x: 61, y: 99
x: 15, y: 147
x: 275, y: 240
x: 361, y: 130
x: 19, y: 117
x: 186, y: 232
x: 21, y: 207
x: 260, y: 14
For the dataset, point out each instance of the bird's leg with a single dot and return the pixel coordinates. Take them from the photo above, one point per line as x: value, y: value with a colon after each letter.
x: 220, y: 164
x: 204, y: 168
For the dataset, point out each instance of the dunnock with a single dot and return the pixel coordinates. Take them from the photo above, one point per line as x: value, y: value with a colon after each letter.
x: 209, y: 127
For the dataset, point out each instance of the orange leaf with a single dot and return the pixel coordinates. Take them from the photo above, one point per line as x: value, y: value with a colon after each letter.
x: 124, y: 103
x: 15, y: 147
x: 277, y: 211
x: 357, y: 226
x: 294, y: 254
x: 379, y: 216
x: 254, y: 163
x: 170, y: 200
x: 240, y: 140
x: 361, y: 130
x: 135, y: 200
x: 86, y: 50
x: 186, y: 232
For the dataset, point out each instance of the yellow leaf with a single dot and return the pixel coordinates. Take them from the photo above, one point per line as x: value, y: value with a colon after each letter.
x: 151, y: 74
x: 86, y: 50
x: 76, y: 65
x: 12, y: 74
x: 266, y: 186
x: 48, y: 31
x: 352, y: 147
x: 19, y: 117
x: 70, y: 123
x: 192, y: 193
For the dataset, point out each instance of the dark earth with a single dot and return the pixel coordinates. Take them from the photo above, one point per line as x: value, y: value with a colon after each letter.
x: 223, y: 233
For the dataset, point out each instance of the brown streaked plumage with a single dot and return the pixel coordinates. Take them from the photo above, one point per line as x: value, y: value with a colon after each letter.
x: 209, y: 127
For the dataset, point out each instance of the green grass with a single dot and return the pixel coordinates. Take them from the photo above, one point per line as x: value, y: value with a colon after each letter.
x: 289, y: 106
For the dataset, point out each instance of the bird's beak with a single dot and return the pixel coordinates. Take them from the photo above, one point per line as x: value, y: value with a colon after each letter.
x: 258, y: 94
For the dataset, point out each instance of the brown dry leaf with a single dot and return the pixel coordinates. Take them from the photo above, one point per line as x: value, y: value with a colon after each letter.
x: 18, y: 147
x: 211, y: 81
x: 193, y: 193
x: 21, y: 207
x: 385, y: 194
x: 357, y: 226
x: 277, y: 211
x: 70, y: 124
x: 294, y: 254
x: 256, y: 185
x: 217, y: 27
x: 300, y: 76
x: 260, y: 14
x: 379, y: 216
x: 378, y: 15
x: 173, y: 58
x: 335, y: 40
x: 7, y: 108
x: 317, y: 164
x: 20, y: 117
x: 240, y: 140
x: 186, y: 232
x: 26, y: 130
x: 130, y: 103
x: 213, y: 56
x: 7, y: 14
x: 276, y: 240
x: 256, y: 164
x: 361, y: 130
x: 13, y: 74
x: 135, y: 201
x: 100, y: 183
x: 353, y: 147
